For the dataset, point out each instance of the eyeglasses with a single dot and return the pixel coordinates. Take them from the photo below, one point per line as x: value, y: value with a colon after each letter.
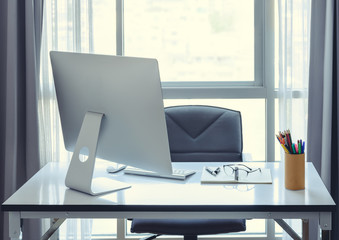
x: 239, y: 171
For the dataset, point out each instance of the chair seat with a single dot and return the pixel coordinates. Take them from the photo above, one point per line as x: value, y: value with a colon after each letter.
x: 187, y: 227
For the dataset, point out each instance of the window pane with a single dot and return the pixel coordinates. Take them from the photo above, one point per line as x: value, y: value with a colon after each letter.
x: 193, y: 40
x: 104, y: 227
x: 253, y: 120
x: 83, y: 26
x: 99, y: 229
x: 104, y: 27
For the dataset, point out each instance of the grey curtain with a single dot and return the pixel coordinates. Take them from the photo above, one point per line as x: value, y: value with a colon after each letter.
x: 322, y: 149
x: 3, y: 15
x: 20, y: 24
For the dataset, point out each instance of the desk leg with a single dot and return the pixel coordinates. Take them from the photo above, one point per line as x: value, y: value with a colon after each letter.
x: 56, y: 224
x: 305, y: 229
x: 325, y: 222
x: 14, y: 225
x: 325, y: 235
x: 287, y: 228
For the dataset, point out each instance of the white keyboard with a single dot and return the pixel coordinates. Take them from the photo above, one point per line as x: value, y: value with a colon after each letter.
x: 180, y: 174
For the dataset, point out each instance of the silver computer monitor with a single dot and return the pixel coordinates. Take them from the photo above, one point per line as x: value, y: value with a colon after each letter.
x: 126, y: 91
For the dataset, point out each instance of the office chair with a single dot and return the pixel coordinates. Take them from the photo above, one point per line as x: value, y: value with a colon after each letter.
x: 199, y: 134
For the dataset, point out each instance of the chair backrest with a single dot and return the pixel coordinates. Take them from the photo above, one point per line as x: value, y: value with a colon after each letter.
x: 204, y: 134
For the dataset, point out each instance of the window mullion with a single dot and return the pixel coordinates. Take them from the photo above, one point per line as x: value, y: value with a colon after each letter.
x: 269, y: 79
x: 121, y: 229
x: 121, y: 223
x: 90, y: 25
x: 259, y: 15
x: 120, y: 27
x: 214, y: 92
x: 77, y: 28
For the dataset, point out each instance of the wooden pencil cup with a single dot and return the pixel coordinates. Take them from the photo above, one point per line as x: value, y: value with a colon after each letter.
x: 295, y: 171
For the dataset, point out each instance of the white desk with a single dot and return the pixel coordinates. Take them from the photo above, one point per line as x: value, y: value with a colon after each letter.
x: 45, y: 196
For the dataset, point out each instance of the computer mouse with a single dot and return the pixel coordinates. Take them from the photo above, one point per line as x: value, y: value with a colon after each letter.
x: 111, y: 169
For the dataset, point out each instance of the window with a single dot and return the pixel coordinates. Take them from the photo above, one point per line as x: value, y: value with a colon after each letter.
x: 193, y: 40
x: 213, y: 52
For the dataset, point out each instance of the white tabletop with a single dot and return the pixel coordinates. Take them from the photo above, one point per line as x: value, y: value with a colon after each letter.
x: 46, y: 191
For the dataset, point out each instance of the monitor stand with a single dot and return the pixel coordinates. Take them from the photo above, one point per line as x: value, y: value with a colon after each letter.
x: 80, y: 171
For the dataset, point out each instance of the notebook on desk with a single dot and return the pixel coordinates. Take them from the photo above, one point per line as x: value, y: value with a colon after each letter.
x: 263, y: 176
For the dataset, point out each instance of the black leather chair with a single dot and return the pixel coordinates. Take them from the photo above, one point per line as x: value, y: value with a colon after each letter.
x: 199, y: 134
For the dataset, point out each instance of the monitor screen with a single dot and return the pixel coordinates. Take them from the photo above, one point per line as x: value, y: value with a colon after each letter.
x: 127, y: 91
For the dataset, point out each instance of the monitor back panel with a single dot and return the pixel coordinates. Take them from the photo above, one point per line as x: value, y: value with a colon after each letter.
x: 128, y: 92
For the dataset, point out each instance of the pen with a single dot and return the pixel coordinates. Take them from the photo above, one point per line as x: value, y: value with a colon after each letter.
x: 215, y: 172
x: 289, y: 140
x: 278, y: 138
x: 293, y: 148
x: 285, y: 149
x: 287, y: 143
x: 289, y: 133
